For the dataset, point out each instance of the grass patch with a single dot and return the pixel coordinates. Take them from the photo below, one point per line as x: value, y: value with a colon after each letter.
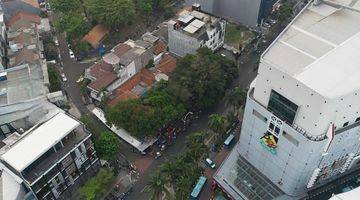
x: 237, y: 36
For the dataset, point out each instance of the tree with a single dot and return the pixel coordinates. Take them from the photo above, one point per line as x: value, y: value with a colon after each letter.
x: 65, y: 6
x: 111, y: 12
x: 235, y: 98
x: 217, y: 123
x: 150, y: 64
x: 107, y: 145
x: 96, y: 186
x: 200, y: 80
x: 54, y: 79
x: 285, y: 11
x: 144, y: 117
x: 74, y: 24
x: 157, y: 187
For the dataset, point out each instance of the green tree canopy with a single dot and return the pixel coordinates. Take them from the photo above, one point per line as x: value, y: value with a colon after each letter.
x: 200, y: 80
x: 235, y: 97
x: 65, y: 6
x: 107, y: 145
x: 144, y: 117
x: 217, y: 123
x: 111, y: 12
x: 96, y: 186
x: 54, y: 79
x: 74, y: 24
x: 157, y: 186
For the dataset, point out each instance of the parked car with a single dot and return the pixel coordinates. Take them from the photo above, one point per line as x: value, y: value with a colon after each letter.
x: 63, y: 77
x: 210, y: 163
x: 71, y: 53
x: 56, y: 41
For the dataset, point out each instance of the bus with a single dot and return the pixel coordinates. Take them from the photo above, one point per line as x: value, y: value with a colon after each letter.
x: 228, y: 141
x: 198, y: 187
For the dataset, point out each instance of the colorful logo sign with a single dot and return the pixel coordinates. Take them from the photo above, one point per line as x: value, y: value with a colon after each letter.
x: 269, y: 143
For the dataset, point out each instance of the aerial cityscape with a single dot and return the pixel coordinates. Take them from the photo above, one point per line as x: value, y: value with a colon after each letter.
x: 179, y: 99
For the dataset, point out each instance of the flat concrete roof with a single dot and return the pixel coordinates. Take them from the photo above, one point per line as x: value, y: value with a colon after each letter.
x: 39, y: 140
x: 320, y: 49
x: 23, y: 83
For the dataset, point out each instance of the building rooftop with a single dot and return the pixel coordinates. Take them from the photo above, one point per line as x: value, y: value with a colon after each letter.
x: 23, y: 17
x: 149, y: 37
x: 320, y: 49
x: 120, y: 49
x: 130, y: 56
x: 159, y: 47
x: 133, y: 88
x: 38, y: 140
x: 96, y: 35
x: 167, y: 64
x: 23, y: 83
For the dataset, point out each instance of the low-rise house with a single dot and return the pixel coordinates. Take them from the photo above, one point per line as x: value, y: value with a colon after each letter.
x: 96, y: 35
x: 133, y: 88
x: 22, y: 20
x: 123, y: 62
x: 159, y: 49
x: 59, y: 155
x: 11, y: 7
x: 192, y: 30
x: 138, y: 85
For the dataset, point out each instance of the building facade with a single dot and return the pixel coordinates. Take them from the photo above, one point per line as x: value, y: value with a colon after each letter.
x: 301, y: 120
x: 246, y: 12
x: 59, y: 152
x: 193, y: 30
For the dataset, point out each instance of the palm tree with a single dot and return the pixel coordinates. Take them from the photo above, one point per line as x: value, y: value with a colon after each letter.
x: 235, y: 98
x: 217, y: 123
x: 157, y: 187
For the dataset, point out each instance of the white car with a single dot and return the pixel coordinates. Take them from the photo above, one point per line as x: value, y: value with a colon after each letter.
x: 56, y: 41
x: 71, y: 53
x: 210, y: 163
x: 63, y: 77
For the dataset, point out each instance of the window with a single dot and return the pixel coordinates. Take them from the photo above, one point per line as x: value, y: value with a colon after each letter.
x: 282, y: 107
x: 271, y: 126
x: 357, y: 119
x: 345, y: 124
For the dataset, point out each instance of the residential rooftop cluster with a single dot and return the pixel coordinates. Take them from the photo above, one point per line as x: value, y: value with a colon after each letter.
x: 124, y: 72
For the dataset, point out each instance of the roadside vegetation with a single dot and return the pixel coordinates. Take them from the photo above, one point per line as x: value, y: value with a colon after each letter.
x: 175, y: 179
x: 198, y: 82
x: 96, y: 187
x: 238, y: 36
x: 54, y: 79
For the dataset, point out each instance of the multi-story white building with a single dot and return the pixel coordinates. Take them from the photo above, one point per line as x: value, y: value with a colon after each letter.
x: 193, y: 30
x: 302, y: 116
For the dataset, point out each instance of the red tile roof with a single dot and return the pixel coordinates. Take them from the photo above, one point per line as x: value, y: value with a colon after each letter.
x: 100, y: 68
x: 96, y: 35
x: 103, y: 82
x: 25, y: 16
x: 124, y: 92
x: 167, y: 64
x: 159, y: 48
x: 121, y: 49
x: 103, y: 74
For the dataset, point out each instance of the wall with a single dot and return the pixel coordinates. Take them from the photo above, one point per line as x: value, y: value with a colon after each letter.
x: 295, y: 159
x: 181, y: 44
x: 315, y: 112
